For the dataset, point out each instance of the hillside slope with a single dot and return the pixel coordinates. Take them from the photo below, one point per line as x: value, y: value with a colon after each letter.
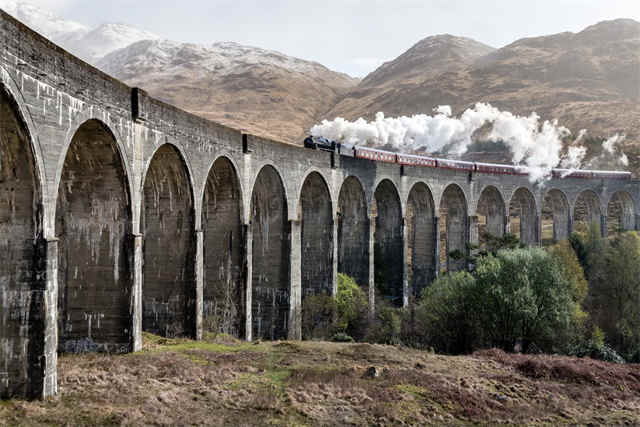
x: 258, y: 90
x: 588, y: 80
x: 225, y: 382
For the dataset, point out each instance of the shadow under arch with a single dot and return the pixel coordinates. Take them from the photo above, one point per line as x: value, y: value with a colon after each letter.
x: 270, y: 249
x: 491, y: 212
x: 168, y: 226
x: 388, y: 243
x: 454, y: 225
x: 421, y: 238
x: 353, y: 232
x: 587, y: 211
x: 23, y: 252
x: 93, y: 226
x: 523, y: 216
x: 316, y: 215
x: 556, y: 217
x: 621, y: 214
x: 224, y: 302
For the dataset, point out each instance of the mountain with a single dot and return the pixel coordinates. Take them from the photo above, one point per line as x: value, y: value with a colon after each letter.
x: 257, y: 90
x: 589, y: 80
x: 380, y: 90
x: 107, y: 38
x: 84, y: 42
x: 254, y: 89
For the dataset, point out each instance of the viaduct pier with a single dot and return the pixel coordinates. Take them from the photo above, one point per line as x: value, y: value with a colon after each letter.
x: 120, y: 213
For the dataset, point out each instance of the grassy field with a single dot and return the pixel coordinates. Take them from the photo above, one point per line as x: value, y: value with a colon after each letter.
x: 227, y: 382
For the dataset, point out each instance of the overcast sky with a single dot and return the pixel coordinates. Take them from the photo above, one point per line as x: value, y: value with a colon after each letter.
x: 353, y: 36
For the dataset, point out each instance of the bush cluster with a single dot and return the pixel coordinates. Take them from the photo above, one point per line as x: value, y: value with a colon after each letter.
x: 579, y: 297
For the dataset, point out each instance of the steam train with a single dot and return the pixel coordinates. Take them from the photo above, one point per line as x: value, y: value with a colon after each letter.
x: 356, y: 151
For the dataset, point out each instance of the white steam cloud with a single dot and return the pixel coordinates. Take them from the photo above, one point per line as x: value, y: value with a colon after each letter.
x: 532, y: 143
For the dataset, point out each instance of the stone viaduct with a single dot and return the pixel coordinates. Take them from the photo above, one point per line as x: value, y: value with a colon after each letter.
x: 121, y: 214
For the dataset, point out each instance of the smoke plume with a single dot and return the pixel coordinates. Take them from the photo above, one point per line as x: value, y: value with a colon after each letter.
x: 532, y: 143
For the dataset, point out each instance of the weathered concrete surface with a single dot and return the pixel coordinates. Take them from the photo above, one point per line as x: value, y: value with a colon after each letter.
x: 388, y: 243
x: 270, y: 282
x: 94, y: 259
x: 123, y: 213
x: 168, y: 291
x: 224, y: 299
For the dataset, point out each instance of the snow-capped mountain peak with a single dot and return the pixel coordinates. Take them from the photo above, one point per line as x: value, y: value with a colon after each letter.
x: 89, y: 44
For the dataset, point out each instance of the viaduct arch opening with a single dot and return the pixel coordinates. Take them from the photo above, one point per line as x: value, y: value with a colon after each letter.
x: 224, y: 304
x: 491, y: 213
x: 389, y: 243
x: 168, y: 290
x: 523, y: 217
x: 555, y: 218
x: 316, y: 250
x: 620, y: 213
x: 93, y: 222
x: 421, y: 238
x: 21, y: 291
x: 586, y: 211
x: 271, y: 257
x: 453, y: 228
x: 353, y: 232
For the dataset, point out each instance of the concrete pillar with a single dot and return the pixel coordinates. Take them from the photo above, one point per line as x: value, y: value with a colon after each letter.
x: 637, y: 223
x: 248, y: 269
x: 405, y: 264
x: 372, y: 268
x: 436, y: 233
x: 136, y: 294
x: 334, y: 263
x: 474, y: 231
x: 538, y: 231
x: 570, y: 225
x: 199, y: 273
x: 507, y: 229
x: 603, y: 225
x: 295, y: 281
x: 48, y: 366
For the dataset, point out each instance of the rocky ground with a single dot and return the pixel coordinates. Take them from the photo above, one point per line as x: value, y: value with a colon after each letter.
x: 226, y: 382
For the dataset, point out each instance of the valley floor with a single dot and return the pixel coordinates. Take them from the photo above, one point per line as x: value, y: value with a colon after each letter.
x: 227, y: 382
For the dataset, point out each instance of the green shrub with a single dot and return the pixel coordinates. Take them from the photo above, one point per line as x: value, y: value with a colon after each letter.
x: 446, y: 314
x: 341, y: 337
x: 318, y: 313
x: 387, y: 325
x: 352, y: 308
x: 519, y: 295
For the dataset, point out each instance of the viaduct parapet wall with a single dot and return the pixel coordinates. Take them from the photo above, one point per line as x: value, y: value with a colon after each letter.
x: 120, y: 213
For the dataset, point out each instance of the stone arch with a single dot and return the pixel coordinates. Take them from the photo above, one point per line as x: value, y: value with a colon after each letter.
x: 491, y: 212
x: 270, y: 232
x: 316, y: 215
x: 556, y: 217
x: 389, y: 243
x: 21, y: 271
x: 353, y: 232
x: 621, y: 214
x: 168, y: 226
x: 224, y: 303
x: 78, y: 122
x: 93, y: 226
x: 290, y: 214
x: 523, y: 216
x: 586, y: 210
x: 305, y: 176
x: 421, y: 238
x: 453, y: 228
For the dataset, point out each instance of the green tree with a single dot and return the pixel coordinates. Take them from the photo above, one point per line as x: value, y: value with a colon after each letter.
x: 447, y: 317
x: 617, y: 298
x: 520, y: 294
